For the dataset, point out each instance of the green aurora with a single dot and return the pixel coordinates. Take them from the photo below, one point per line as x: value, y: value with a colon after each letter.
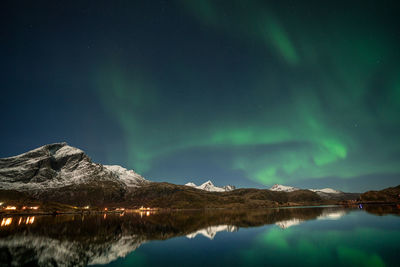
x: 249, y: 93
x: 325, y: 103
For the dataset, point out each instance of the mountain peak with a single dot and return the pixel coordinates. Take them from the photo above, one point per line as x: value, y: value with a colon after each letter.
x: 207, y: 183
x: 284, y: 188
x: 56, y: 150
x: 209, y: 186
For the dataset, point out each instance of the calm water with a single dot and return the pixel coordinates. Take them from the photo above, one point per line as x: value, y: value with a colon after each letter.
x: 303, y: 236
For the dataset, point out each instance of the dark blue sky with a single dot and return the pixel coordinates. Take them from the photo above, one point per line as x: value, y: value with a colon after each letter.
x: 249, y: 93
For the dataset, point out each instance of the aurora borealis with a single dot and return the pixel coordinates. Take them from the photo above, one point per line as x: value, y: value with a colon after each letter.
x: 249, y: 93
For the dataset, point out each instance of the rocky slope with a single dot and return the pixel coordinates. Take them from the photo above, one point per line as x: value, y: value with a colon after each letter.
x: 388, y: 195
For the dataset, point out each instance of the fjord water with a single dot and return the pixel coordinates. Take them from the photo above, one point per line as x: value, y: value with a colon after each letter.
x: 310, y: 236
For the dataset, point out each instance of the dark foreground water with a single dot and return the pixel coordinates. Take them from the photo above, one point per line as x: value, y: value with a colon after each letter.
x: 319, y: 236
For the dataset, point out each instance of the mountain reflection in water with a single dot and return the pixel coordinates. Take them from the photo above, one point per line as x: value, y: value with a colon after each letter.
x: 81, y: 240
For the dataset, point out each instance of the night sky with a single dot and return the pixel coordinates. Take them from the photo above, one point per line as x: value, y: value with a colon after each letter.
x: 249, y: 93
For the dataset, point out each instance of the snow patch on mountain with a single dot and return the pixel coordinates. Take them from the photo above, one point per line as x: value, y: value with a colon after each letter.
x: 209, y: 186
x: 229, y: 187
x: 129, y: 177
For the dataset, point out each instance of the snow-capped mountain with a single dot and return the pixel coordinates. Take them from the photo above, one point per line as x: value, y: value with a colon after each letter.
x: 284, y: 188
x: 209, y: 186
x: 60, y: 165
x: 229, y: 187
x: 211, y: 231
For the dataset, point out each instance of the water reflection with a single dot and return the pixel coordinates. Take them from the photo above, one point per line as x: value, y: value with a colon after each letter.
x: 6, y: 221
x: 100, y: 239
x: 9, y: 220
x: 211, y: 231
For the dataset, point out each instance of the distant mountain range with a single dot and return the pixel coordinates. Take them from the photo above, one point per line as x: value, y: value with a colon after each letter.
x: 284, y: 188
x: 324, y: 193
x: 59, y: 173
x: 210, y: 187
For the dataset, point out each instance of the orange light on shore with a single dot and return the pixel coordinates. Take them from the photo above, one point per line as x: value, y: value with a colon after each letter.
x: 143, y: 208
x: 34, y: 208
x: 6, y: 221
x: 11, y: 208
x: 105, y: 209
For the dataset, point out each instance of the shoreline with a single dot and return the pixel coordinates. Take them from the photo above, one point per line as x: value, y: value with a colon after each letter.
x: 93, y: 212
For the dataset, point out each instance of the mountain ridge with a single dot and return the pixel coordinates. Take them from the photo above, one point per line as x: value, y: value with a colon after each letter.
x: 286, y: 188
x: 64, y: 174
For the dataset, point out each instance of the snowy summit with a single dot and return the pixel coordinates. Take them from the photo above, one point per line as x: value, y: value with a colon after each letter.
x: 209, y: 186
x: 283, y: 188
